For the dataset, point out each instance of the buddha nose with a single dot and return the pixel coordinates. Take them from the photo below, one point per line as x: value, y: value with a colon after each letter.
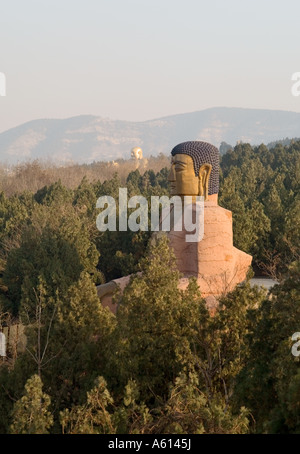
x: 172, y: 175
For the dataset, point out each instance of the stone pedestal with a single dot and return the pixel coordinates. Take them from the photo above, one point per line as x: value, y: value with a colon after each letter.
x: 217, y: 265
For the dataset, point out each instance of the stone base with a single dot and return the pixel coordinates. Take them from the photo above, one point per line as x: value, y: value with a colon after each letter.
x: 217, y: 265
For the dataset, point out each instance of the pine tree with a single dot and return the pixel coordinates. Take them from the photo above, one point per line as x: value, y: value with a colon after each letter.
x: 156, y: 322
x: 31, y: 413
x: 190, y: 411
x: 268, y: 382
x: 92, y: 417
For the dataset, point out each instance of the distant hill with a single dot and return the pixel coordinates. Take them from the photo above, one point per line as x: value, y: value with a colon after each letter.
x: 85, y: 138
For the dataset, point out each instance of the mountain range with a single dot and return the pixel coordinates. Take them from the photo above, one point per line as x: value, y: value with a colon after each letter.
x: 87, y: 138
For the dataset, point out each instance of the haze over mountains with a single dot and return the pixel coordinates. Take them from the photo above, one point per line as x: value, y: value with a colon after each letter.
x: 86, y: 138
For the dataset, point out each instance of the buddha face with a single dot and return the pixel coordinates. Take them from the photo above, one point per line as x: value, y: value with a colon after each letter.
x: 136, y: 153
x: 183, y: 180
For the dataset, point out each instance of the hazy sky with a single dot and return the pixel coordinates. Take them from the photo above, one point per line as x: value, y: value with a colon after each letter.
x: 144, y: 59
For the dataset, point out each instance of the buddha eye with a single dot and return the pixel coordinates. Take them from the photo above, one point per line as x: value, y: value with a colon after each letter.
x: 179, y: 167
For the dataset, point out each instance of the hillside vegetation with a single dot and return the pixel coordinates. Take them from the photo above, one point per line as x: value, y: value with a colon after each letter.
x: 162, y: 364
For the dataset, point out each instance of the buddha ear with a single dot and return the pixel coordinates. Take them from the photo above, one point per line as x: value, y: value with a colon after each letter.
x: 204, y: 174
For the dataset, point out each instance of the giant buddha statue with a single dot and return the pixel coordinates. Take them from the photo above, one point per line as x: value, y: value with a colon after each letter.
x: 214, y: 261
x: 217, y: 265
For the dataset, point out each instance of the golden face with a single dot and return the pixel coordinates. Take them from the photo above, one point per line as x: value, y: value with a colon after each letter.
x: 183, y: 179
x: 182, y: 176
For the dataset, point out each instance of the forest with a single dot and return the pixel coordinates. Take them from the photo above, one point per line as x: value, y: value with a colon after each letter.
x: 162, y: 364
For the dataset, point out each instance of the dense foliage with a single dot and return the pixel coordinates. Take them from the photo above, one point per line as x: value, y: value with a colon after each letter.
x: 163, y: 364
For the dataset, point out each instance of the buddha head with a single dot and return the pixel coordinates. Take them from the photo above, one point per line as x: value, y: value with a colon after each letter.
x: 137, y: 153
x: 194, y: 169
